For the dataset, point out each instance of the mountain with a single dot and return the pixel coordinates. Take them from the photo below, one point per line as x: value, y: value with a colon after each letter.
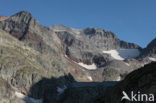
x: 75, y: 45
x: 51, y: 63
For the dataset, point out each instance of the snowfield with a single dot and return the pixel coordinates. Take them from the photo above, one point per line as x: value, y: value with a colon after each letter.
x: 127, y: 64
x: 90, y: 78
x: 27, y: 99
x: 89, y: 67
x: 118, y: 78
x: 122, y: 54
x: 152, y: 59
x: 64, y: 29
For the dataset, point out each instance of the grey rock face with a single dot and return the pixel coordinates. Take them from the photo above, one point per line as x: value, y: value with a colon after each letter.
x: 24, y: 27
x: 112, y: 71
x: 6, y: 92
x: 148, y: 54
x: 150, y: 50
x: 90, y: 38
x: 86, y: 45
x: 106, y: 40
x: 32, y: 56
x: 142, y: 80
x: 19, y: 67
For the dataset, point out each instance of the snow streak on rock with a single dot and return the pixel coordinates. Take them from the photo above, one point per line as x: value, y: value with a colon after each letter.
x: 89, y: 67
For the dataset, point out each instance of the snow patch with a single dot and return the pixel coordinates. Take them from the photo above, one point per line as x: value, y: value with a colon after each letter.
x: 61, y: 90
x: 89, y: 67
x: 20, y: 95
x: 66, y: 56
x: 114, y: 54
x: 122, y: 54
x: 27, y: 99
x: 58, y: 30
x: 118, y: 78
x: 69, y: 58
x: 90, y: 78
x: 64, y: 29
x: 127, y: 64
x: 152, y: 59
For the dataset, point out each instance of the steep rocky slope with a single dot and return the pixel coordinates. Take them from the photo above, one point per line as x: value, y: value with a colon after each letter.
x: 142, y: 80
x: 6, y: 92
x: 26, y: 29
x: 150, y: 50
x: 23, y: 64
x: 21, y: 67
x: 148, y: 54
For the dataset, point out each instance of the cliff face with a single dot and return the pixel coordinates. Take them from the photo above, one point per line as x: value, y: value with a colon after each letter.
x: 90, y: 38
x: 148, y: 54
x: 142, y: 80
x: 150, y: 50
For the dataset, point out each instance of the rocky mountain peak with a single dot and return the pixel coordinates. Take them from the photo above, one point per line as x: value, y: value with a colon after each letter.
x: 98, y: 31
x: 152, y: 44
x: 17, y: 22
x: 21, y: 17
x: 23, y: 13
x: 20, y: 24
x: 90, y: 31
x: 150, y: 50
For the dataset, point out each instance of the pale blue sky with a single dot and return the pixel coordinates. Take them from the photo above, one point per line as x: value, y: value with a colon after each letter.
x: 131, y: 20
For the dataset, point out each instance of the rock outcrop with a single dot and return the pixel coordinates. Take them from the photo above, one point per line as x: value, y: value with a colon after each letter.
x: 141, y: 80
x: 150, y: 50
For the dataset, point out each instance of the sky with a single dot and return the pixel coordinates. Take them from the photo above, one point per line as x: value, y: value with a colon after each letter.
x: 131, y: 20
